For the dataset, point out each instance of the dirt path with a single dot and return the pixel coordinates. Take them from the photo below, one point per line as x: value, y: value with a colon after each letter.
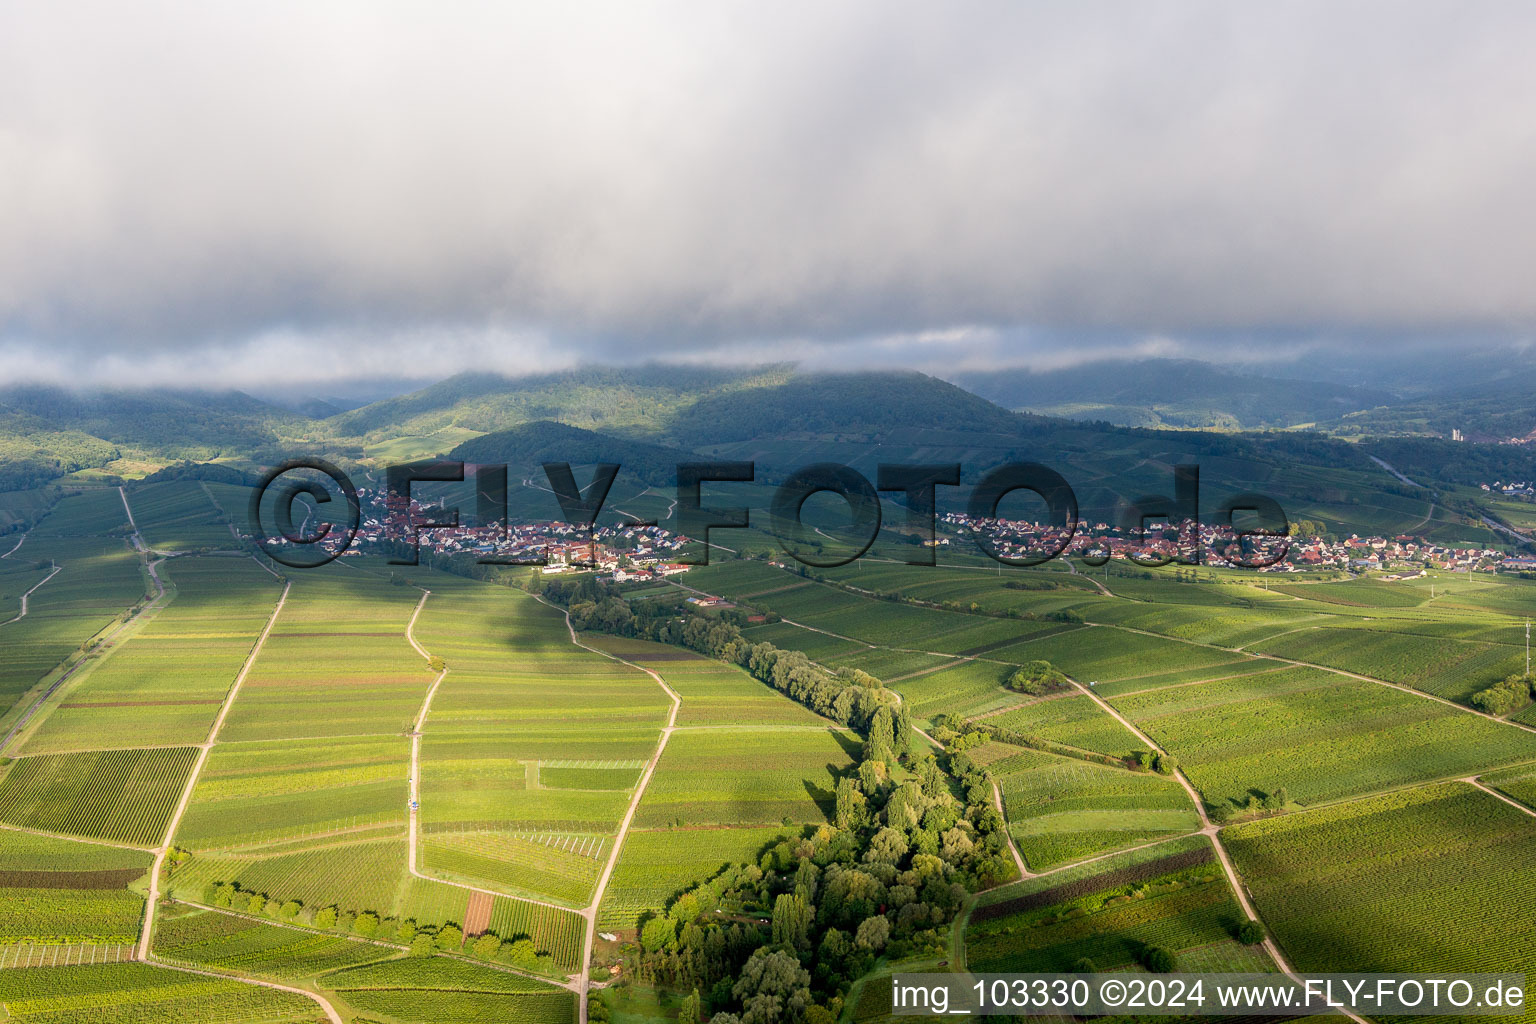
x: 414, y: 829
x: 1018, y: 858
x: 325, y: 1004
x: 19, y: 542
x: 153, y: 899
x: 1517, y: 805
x: 23, y: 614
x: 151, y: 606
x: 629, y: 813
x: 1326, y: 668
x: 1089, y: 577
x: 1209, y: 829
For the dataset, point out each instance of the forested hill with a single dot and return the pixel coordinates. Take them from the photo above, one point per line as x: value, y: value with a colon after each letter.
x: 525, y: 447
x: 650, y: 418
x: 593, y: 397
x: 1172, y: 392
x: 46, y: 432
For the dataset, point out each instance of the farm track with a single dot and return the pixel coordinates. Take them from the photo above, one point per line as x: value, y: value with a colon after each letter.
x: 76, y: 839
x: 1018, y: 858
x: 153, y: 898
x: 414, y: 825
x: 23, y: 613
x: 629, y: 816
x: 1326, y: 668
x: 19, y: 542
x: 324, y: 1003
x: 104, y: 643
x: 1517, y: 805
x: 1212, y: 831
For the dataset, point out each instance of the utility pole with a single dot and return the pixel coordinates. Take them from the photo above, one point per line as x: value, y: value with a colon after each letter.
x: 1527, y: 648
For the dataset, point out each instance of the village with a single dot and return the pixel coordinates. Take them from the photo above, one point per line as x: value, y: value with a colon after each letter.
x: 638, y: 553
x: 1018, y: 539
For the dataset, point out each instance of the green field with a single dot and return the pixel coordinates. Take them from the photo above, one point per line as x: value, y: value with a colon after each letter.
x: 163, y: 685
x: 745, y: 777
x: 1074, y: 720
x: 125, y: 796
x: 226, y: 942
x: 1172, y: 895
x: 658, y: 864
x: 140, y: 994
x: 1436, y: 879
x: 1320, y: 735
x: 1061, y: 809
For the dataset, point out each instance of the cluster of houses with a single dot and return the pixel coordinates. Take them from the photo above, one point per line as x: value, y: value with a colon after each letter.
x: 1522, y: 489
x: 628, y: 552
x: 637, y: 553
x: 1021, y: 538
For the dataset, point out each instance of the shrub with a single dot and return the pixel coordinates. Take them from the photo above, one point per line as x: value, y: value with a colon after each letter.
x: 326, y: 918
x: 366, y: 924
x: 1036, y: 678
x: 1157, y: 959
x: 487, y: 946
x: 1250, y: 933
x: 422, y: 945
x: 449, y: 937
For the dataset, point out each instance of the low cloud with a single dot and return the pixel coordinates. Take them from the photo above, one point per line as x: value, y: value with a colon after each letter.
x: 217, y: 190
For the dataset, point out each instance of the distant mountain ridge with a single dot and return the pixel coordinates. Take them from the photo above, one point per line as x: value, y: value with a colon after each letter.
x: 1178, y: 393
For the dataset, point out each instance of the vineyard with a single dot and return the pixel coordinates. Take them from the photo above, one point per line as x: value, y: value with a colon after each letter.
x: 532, y: 748
x: 1519, y: 783
x: 1319, y: 735
x: 745, y: 777
x: 163, y: 685
x: 658, y: 865
x: 262, y: 791
x: 556, y: 932
x: 1438, y: 665
x: 1060, y: 809
x: 226, y: 942
x: 1073, y: 720
x: 179, y: 515
x: 336, y: 664
x: 137, y: 994
x: 1432, y: 879
x: 125, y: 796
x: 1170, y: 896
x: 564, y: 866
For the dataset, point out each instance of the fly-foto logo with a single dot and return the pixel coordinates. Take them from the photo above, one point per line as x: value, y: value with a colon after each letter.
x: 1261, y: 540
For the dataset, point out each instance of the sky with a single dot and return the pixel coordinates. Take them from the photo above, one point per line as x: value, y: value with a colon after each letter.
x: 234, y: 194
